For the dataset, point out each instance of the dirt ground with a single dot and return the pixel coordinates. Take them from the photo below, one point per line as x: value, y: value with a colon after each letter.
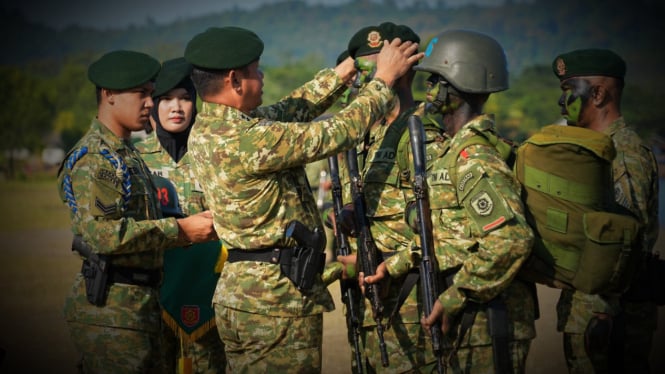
x: 37, y: 268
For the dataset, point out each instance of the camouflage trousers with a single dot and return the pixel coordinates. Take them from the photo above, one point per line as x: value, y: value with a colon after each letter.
x: 635, y: 341
x: 480, y: 359
x: 256, y: 343
x: 576, y: 313
x: 407, y: 345
x: 205, y: 355
x: 107, y: 349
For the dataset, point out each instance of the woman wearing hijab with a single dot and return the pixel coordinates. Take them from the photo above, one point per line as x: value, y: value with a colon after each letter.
x: 190, y: 273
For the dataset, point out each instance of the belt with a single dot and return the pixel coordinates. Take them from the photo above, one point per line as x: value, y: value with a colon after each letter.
x: 272, y: 255
x: 135, y: 276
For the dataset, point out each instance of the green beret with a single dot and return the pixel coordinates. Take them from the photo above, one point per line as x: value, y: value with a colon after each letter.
x: 365, y: 41
x: 342, y: 56
x: 221, y: 48
x: 173, y: 72
x: 121, y: 70
x: 400, y: 31
x: 587, y: 62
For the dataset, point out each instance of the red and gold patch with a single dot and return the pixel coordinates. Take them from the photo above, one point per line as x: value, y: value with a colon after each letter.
x: 374, y: 39
x: 190, y: 315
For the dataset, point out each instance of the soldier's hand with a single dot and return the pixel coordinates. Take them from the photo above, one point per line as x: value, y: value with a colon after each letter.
x: 349, y: 266
x: 395, y: 59
x: 380, y: 274
x: 196, y: 228
x: 437, y: 313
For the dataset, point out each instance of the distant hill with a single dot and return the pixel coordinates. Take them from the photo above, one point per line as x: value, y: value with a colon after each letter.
x: 531, y: 32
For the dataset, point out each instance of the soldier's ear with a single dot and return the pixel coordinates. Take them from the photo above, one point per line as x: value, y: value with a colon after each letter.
x: 598, y: 94
x: 107, y: 95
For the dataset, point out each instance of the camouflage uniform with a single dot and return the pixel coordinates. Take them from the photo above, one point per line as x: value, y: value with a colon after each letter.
x: 207, y: 351
x: 385, y: 183
x: 113, y: 206
x: 636, y: 188
x: 482, y: 237
x: 253, y: 177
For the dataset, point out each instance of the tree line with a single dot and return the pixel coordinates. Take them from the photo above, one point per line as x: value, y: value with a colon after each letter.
x: 49, y: 100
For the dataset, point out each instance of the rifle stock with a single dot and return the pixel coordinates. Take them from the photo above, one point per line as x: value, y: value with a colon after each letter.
x: 367, y: 249
x: 428, y: 265
x: 348, y: 287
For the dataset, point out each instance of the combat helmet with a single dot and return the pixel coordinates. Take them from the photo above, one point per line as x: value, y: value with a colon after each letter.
x: 470, y: 61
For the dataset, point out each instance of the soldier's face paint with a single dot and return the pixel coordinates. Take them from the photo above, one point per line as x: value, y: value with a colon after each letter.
x: 573, y: 98
x: 437, y: 95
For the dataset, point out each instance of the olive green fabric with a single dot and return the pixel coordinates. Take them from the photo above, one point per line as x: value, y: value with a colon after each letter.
x: 121, y: 70
x: 470, y: 61
x: 366, y: 41
x: 220, y: 48
x: 583, y: 240
x: 173, y: 72
x: 587, y: 62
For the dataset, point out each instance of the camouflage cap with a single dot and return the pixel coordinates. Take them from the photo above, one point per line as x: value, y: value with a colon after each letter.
x: 587, y: 62
x: 221, y: 48
x: 121, y: 70
x: 172, y: 74
x: 366, y: 41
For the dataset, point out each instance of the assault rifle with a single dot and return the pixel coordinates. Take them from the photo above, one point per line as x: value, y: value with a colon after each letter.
x: 348, y: 287
x: 367, y: 248
x: 428, y: 265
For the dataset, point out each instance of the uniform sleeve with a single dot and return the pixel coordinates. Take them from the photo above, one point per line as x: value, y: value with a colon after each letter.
x: 271, y: 146
x: 636, y: 187
x: 503, y: 237
x: 306, y: 102
x: 97, y: 213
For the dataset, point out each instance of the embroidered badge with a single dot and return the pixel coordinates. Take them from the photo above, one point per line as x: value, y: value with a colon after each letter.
x: 190, y: 315
x: 560, y: 67
x: 105, y: 209
x: 482, y: 204
x: 374, y: 39
x: 467, y: 177
x: 109, y: 176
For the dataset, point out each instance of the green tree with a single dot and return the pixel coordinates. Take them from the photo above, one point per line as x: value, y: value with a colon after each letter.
x: 28, y: 115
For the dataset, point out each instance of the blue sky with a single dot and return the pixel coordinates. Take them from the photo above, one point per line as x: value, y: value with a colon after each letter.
x: 121, y: 13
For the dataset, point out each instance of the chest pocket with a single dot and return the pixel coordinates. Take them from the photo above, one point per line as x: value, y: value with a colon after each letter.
x: 381, y: 184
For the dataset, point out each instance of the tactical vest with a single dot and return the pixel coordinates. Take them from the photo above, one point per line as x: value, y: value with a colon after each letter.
x: 584, y: 239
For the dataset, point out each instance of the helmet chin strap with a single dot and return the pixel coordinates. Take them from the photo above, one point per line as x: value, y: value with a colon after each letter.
x: 442, y: 100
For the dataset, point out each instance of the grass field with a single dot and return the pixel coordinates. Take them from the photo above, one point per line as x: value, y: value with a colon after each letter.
x: 37, y: 268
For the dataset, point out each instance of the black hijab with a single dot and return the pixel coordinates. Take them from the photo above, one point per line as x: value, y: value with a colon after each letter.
x: 175, y: 143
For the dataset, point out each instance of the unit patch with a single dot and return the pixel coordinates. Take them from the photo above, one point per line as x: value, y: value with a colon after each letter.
x: 482, y: 204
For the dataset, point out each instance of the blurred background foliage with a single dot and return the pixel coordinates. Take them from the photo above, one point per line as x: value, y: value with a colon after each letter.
x: 49, y: 102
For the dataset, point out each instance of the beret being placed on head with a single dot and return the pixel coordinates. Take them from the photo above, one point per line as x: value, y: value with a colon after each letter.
x: 342, y: 56
x: 588, y: 62
x: 366, y: 41
x: 173, y: 72
x: 220, y: 48
x: 121, y: 70
x: 391, y: 31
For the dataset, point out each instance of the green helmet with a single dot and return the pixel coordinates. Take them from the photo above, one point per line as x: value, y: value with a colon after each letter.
x: 470, y: 61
